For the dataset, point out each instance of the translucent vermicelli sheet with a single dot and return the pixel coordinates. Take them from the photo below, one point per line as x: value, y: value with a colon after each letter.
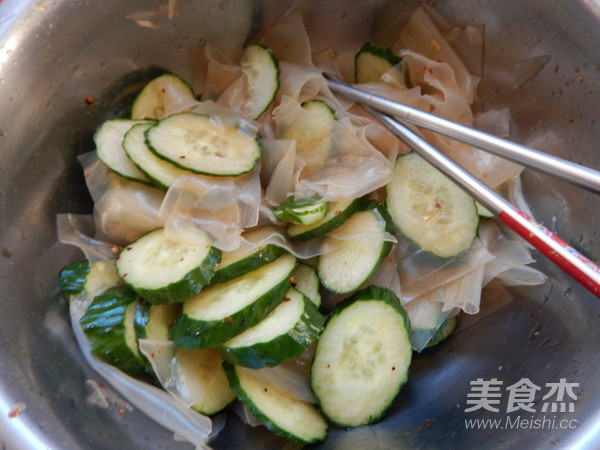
x: 421, y: 271
x: 78, y: 230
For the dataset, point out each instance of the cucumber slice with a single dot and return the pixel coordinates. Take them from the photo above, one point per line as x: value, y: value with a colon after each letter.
x: 288, y: 331
x: 261, y: 68
x: 203, y: 144
x: 236, y: 263
x: 362, y: 357
x: 150, y: 102
x: 153, y: 321
x: 444, y: 331
x: 109, y: 326
x: 372, y: 61
x: 429, y: 209
x: 201, y: 372
x: 304, y: 211
x: 72, y: 278
x: 353, y: 260
x: 162, y: 173
x: 163, y: 271
x: 337, y: 213
x: 222, y: 311
x: 483, y: 212
x: 305, y: 279
x: 313, y: 133
x: 109, y: 147
x: 293, y: 419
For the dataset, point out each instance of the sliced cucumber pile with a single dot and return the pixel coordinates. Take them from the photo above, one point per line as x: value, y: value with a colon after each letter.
x: 261, y: 68
x: 288, y: 331
x: 109, y: 147
x: 224, y: 310
x: 357, y: 250
x: 227, y: 321
x: 337, y: 213
x: 163, y: 271
x: 429, y: 209
x: 160, y: 172
x: 362, y: 358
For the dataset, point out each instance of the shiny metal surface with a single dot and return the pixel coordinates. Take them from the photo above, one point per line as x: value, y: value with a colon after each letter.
x: 54, y: 53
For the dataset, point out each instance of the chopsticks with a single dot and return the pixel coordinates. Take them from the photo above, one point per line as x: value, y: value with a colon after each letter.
x: 551, y: 165
x: 583, y: 270
x: 567, y: 258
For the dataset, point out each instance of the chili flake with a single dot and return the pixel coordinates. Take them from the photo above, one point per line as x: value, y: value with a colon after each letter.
x: 228, y: 319
x: 89, y: 100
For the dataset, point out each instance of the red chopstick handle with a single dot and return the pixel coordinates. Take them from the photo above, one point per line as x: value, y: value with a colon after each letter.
x: 585, y: 271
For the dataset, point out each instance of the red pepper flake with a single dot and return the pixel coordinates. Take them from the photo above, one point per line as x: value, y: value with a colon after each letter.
x: 228, y: 319
x: 181, y: 259
x: 266, y: 390
x: 328, y: 366
x: 125, y: 275
x: 393, y: 369
x: 580, y: 79
x: 389, y: 260
x: 437, y: 206
x: 152, y: 355
x: 16, y: 410
x: 89, y: 100
x: 114, y: 250
x: 121, y: 411
x: 287, y: 299
x: 337, y: 213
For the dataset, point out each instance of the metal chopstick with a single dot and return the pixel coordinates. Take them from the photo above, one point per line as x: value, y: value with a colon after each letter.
x: 551, y: 165
x: 567, y: 258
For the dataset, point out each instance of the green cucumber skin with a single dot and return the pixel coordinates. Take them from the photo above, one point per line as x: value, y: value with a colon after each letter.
x: 191, y: 284
x: 444, y: 331
x: 190, y: 333
x: 234, y: 382
x: 103, y: 324
x: 370, y: 293
x: 264, y: 256
x: 289, y: 345
x: 329, y: 225
x: 72, y: 278
x: 285, y: 212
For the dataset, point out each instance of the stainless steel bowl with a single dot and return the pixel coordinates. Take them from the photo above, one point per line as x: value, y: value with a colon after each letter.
x: 55, y: 53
